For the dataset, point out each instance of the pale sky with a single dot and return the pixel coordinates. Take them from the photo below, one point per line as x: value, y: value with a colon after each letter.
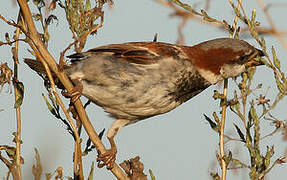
x: 176, y: 145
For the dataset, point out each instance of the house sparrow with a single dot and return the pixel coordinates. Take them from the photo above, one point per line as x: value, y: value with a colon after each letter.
x: 137, y: 80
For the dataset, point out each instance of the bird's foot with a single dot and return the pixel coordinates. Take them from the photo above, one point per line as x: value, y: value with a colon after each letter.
x: 76, y: 93
x: 107, y: 158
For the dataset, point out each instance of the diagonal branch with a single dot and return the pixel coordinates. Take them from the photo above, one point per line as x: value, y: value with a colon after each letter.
x: 46, y: 56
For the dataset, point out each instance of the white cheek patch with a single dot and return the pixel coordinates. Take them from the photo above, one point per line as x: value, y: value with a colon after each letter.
x: 233, y: 70
x: 210, y: 76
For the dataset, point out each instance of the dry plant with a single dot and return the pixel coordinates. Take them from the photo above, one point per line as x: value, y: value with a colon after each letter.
x: 186, y: 16
x: 84, y: 19
x: 246, y: 110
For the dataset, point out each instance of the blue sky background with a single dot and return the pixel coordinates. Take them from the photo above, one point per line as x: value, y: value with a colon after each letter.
x: 176, y: 145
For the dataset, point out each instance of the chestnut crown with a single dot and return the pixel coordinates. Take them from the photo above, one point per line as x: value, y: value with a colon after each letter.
x: 223, y: 58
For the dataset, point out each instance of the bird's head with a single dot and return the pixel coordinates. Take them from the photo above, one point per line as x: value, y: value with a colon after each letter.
x: 223, y: 58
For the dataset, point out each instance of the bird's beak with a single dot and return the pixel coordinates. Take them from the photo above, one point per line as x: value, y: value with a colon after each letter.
x: 253, y: 60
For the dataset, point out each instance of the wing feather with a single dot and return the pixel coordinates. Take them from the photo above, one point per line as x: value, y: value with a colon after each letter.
x: 133, y: 52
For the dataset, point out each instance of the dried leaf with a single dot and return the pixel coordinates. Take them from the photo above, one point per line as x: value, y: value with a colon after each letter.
x: 101, y: 134
x: 241, y: 135
x: 51, y: 18
x: 263, y: 44
x: 252, y: 25
x: 268, y: 155
x: 37, y: 17
x: 215, y: 176
x: 206, y: 17
x: 237, y: 106
x: 228, y: 158
x: 19, y: 94
x: 37, y: 168
x: 259, y: 86
x: 52, y: 5
x: 212, y: 124
x: 50, y: 107
x: 253, y: 115
x: 275, y: 59
x: 216, y: 118
x: 10, y: 151
x: 217, y: 95
x: 7, y: 38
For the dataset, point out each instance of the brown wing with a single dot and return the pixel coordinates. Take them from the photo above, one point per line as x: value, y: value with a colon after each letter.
x: 133, y: 52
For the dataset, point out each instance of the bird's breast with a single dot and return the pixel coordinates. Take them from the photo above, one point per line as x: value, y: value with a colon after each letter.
x: 134, y: 91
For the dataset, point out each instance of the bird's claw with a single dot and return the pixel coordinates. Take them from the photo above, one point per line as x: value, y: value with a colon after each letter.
x: 76, y: 93
x: 107, y: 158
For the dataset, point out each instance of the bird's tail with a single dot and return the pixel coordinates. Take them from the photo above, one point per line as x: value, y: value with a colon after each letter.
x: 38, y: 67
x: 35, y: 65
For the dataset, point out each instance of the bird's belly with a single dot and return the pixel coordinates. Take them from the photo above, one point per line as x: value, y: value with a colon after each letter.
x: 134, y: 91
x: 134, y: 101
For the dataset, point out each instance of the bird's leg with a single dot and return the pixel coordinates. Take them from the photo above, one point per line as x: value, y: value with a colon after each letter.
x: 108, y: 158
x: 76, y: 92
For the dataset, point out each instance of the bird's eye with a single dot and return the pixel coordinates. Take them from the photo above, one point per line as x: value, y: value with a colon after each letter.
x: 244, y: 58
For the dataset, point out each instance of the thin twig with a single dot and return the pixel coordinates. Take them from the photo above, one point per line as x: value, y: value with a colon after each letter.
x: 270, y: 134
x: 10, y: 166
x: 15, y: 25
x: 92, y: 31
x: 12, y: 42
x: 221, y: 134
x: 223, y: 117
x: 62, y: 54
x: 18, y: 108
x: 78, y: 141
x: 189, y: 16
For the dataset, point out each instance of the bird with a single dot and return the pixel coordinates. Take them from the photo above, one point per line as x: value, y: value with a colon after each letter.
x: 134, y: 81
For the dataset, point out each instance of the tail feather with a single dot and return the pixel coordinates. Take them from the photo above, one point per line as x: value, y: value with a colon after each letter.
x: 35, y: 65
x: 38, y: 67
